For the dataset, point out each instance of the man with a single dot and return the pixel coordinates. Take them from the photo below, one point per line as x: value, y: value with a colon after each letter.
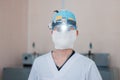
x: 63, y: 63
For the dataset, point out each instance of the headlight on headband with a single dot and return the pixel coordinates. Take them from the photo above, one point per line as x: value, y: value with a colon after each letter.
x: 62, y: 26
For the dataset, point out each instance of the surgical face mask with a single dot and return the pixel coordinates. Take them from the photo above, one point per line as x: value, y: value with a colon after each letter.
x: 64, y: 40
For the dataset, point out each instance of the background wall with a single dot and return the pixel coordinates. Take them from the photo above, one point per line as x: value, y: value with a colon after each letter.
x: 23, y: 22
x: 13, y: 32
x: 98, y: 22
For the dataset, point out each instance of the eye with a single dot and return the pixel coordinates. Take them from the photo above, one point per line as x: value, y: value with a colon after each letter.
x: 71, y: 28
x: 55, y: 29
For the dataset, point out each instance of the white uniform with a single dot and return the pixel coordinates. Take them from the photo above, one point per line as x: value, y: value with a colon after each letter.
x: 77, y: 67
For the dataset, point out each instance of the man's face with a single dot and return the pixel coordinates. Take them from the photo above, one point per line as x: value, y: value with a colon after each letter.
x: 64, y: 36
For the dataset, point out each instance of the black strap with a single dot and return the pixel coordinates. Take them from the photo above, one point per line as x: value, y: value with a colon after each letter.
x: 73, y: 52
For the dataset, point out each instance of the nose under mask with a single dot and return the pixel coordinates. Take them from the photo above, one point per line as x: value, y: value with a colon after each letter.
x: 64, y: 40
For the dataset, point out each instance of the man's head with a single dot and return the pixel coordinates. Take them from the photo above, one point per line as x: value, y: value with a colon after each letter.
x: 63, y: 20
x: 64, y: 29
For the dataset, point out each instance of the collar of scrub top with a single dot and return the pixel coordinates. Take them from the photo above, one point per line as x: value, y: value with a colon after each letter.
x: 63, y: 25
x: 73, y: 52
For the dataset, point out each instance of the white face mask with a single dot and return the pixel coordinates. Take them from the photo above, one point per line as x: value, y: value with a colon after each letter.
x: 64, y: 40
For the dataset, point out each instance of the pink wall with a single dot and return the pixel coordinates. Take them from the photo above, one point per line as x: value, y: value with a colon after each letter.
x: 13, y: 32
x: 26, y: 21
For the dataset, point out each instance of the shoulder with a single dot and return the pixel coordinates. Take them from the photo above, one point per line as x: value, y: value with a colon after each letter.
x: 84, y: 60
x: 85, y: 63
x: 42, y: 58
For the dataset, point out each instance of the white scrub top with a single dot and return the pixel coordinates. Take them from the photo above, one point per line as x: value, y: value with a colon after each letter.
x: 78, y: 67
